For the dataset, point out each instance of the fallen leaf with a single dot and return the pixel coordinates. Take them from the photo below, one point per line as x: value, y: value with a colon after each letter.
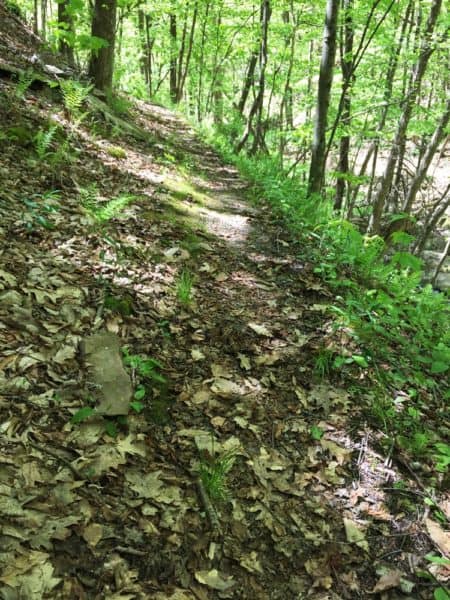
x: 244, y: 362
x: 197, y: 354
x: 260, y: 329
x: 389, y: 580
x: 355, y: 535
x: 226, y: 388
x: 93, y: 533
x: 214, y: 580
x: 440, y: 537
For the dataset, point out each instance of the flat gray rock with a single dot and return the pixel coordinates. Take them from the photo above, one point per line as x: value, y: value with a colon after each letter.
x: 110, y: 383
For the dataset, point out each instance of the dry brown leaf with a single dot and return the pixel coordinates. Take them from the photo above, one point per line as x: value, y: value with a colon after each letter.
x: 440, y: 537
x: 389, y: 580
x: 260, y: 329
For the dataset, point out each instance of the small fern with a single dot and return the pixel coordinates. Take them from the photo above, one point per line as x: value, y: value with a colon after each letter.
x: 74, y: 95
x: 26, y: 78
x: 43, y: 140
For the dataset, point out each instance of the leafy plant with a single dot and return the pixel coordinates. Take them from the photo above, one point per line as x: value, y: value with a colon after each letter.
x: 184, y: 287
x: 102, y: 213
x: 43, y: 141
x: 38, y: 209
x: 143, y: 366
x: 213, y: 472
x: 74, y: 95
x: 25, y: 79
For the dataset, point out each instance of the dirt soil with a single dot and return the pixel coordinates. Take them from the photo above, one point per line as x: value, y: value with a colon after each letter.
x: 219, y: 319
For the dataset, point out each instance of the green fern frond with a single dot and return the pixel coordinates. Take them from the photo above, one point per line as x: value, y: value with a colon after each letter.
x: 43, y: 140
x: 74, y: 95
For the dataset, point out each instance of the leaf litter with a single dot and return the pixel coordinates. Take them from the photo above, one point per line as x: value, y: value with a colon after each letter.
x: 103, y: 508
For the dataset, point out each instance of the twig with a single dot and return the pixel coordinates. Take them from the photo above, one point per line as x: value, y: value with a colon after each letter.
x: 208, y: 506
x: 131, y: 551
x: 57, y: 456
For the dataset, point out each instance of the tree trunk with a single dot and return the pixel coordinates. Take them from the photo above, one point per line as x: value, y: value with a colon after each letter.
x: 414, y: 88
x: 248, y: 81
x: 101, y: 67
x: 387, y: 97
x: 66, y: 26
x: 347, y: 79
x: 184, y: 71
x: 202, y: 64
x: 173, y: 56
x: 257, y: 107
x: 317, y: 167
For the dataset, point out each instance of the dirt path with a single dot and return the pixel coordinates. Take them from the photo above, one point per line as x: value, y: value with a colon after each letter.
x: 96, y: 509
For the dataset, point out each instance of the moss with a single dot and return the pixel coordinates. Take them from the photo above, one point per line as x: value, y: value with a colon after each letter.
x: 116, y: 152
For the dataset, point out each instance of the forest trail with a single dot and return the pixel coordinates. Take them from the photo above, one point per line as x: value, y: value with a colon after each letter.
x: 155, y: 242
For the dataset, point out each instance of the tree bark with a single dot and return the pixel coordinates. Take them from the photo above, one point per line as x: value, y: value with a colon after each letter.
x: 257, y: 106
x: 66, y: 26
x: 101, y: 66
x: 173, y: 56
x: 347, y: 79
x: 317, y: 167
x: 248, y: 81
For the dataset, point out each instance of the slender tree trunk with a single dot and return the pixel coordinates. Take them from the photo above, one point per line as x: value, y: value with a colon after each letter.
x: 66, y: 26
x: 387, y: 97
x: 347, y: 79
x: 184, y: 71
x: 257, y: 106
x: 202, y: 64
x: 317, y: 167
x: 173, y: 56
x: 248, y: 81
x: 143, y: 59
x: 101, y: 66
x: 149, y: 43
x: 44, y: 19
x: 35, y: 17
x: 418, y: 73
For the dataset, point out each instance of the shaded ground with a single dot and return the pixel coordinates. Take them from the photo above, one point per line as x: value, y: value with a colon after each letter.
x: 100, y: 240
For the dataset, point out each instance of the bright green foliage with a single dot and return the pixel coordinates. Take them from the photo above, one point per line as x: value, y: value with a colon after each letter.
x: 103, y: 212
x: 116, y: 152
x: 184, y: 287
x: 74, y: 95
x: 214, y: 472
x: 43, y: 141
x: 26, y: 78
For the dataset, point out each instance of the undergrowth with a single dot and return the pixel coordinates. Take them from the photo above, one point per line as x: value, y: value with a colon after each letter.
x: 394, y: 331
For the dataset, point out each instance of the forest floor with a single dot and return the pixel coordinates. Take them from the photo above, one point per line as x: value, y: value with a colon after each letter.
x: 153, y: 240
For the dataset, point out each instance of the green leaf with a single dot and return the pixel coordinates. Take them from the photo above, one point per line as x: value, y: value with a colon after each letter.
x: 441, y: 594
x: 316, y: 432
x: 438, y: 560
x: 438, y: 367
x: 360, y: 360
x: 139, y: 394
x: 137, y: 406
x: 111, y: 429
x: 82, y: 414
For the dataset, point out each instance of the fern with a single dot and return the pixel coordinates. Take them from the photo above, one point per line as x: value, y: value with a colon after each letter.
x: 74, y: 95
x: 43, y: 140
x: 26, y: 78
